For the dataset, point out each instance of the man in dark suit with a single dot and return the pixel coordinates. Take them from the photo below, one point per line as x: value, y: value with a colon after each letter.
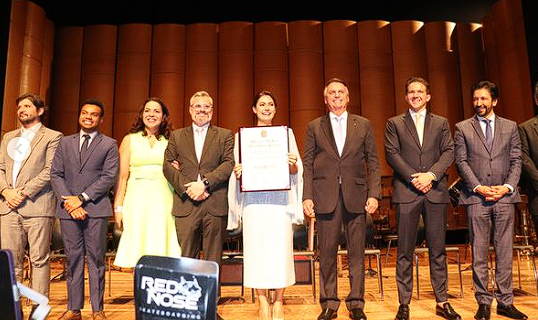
x: 528, y: 132
x: 419, y: 148
x: 205, y: 156
x: 341, y: 183
x: 83, y: 171
x: 488, y: 158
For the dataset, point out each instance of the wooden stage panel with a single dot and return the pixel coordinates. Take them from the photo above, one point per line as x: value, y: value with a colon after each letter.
x: 299, y: 303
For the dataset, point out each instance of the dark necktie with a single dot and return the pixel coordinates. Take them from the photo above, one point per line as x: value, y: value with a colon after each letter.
x: 84, y: 148
x: 489, y: 135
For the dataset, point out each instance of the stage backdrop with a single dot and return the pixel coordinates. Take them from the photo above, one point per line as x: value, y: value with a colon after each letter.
x: 123, y: 65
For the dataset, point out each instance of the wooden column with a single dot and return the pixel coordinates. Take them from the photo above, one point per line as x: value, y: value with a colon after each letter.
x: 168, y: 69
x: 236, y: 43
x: 271, y: 70
x: 132, y: 75
x: 306, y: 76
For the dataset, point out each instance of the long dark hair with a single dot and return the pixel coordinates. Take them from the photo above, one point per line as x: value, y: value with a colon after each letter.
x: 165, y: 128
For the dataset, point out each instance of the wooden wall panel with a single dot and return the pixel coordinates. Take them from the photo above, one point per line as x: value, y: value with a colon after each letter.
x: 33, y: 49
x: 13, y: 66
x: 99, y: 69
x: 46, y: 66
x: 341, y: 57
x: 168, y: 69
x: 236, y: 43
x: 491, y: 55
x: 443, y: 70
x: 515, y: 83
x: 271, y: 71
x: 376, y: 80
x: 201, y: 64
x: 471, y: 58
x: 66, y: 79
x: 408, y: 57
x: 132, y: 75
x: 306, y: 76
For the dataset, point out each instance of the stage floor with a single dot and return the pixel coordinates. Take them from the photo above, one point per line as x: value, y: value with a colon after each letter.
x: 299, y: 303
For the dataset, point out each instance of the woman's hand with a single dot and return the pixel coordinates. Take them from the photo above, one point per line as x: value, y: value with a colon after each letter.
x: 292, y: 160
x: 118, y: 219
x: 238, y: 169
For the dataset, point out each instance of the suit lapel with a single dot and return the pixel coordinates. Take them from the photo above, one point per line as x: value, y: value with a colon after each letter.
x: 327, y: 129
x: 410, y: 124
x: 211, y: 133
x: 497, y: 131
x: 9, y: 162
x: 189, y: 140
x: 476, y: 125
x: 351, y: 131
x: 428, y: 124
x: 91, y: 149
x: 535, y: 125
x: 37, y: 138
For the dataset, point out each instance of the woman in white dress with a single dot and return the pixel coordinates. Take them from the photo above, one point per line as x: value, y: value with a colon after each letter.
x: 267, y: 219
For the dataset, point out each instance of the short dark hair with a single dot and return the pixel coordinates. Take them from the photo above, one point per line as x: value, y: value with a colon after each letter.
x: 94, y: 102
x: 261, y: 94
x: 419, y: 80
x: 488, y: 85
x: 36, y: 101
x: 165, y: 128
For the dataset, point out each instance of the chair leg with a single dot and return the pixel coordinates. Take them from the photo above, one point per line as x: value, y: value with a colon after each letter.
x: 109, y: 276
x: 459, y: 272
x: 387, y: 254
x: 519, y: 268
x: 535, y: 273
x: 380, y: 275
x: 418, y: 281
x: 313, y: 276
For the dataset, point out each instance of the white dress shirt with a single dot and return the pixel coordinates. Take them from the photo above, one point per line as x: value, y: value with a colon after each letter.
x: 339, y: 132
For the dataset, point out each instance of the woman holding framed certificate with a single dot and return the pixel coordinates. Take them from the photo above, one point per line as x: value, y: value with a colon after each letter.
x: 267, y: 215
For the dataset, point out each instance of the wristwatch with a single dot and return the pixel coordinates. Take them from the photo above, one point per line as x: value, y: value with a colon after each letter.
x: 206, y: 183
x: 81, y: 198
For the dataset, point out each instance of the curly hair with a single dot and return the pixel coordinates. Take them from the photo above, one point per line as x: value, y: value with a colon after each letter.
x: 165, y: 128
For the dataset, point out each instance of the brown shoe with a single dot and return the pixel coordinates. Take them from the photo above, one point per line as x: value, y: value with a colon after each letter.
x: 71, y: 315
x: 99, y: 315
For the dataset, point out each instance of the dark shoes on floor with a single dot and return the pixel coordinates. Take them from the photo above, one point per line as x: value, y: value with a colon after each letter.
x: 327, y: 314
x: 403, y: 312
x: 447, y: 312
x: 511, y: 312
x: 357, y: 314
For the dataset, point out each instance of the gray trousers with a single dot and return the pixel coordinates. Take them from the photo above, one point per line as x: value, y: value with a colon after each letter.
x: 17, y: 231
x: 485, y: 218
x: 434, y: 215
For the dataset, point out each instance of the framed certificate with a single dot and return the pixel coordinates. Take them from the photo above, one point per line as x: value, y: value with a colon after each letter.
x: 263, y: 153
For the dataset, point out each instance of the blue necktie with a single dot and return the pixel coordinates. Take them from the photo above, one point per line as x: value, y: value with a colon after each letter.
x: 489, y: 135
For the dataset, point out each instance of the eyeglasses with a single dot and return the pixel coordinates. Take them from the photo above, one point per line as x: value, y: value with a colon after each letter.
x: 201, y: 106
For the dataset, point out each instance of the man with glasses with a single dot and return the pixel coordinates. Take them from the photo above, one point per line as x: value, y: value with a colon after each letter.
x: 205, y: 156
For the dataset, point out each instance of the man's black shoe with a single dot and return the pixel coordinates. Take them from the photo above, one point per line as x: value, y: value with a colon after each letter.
x: 357, y: 314
x: 483, y: 312
x: 403, y: 312
x: 327, y: 314
x: 511, y: 312
x: 447, y: 312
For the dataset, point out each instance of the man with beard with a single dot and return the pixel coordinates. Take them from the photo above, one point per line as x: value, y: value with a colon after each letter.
x: 342, y: 183
x: 28, y: 203
x: 488, y: 158
x: 205, y: 156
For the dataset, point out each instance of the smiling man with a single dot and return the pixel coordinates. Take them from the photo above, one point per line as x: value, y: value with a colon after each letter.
x: 205, y: 155
x: 342, y: 183
x: 419, y: 147
x: 488, y: 158
x: 27, y: 203
x: 83, y: 171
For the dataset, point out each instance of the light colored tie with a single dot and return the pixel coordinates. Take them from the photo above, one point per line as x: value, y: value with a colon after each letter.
x: 199, y: 142
x: 338, y: 135
x: 420, y: 127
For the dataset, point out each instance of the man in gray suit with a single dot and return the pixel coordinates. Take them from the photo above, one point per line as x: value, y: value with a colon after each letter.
x: 341, y: 184
x: 28, y: 203
x: 83, y: 171
x: 419, y: 148
x: 488, y: 158
x: 528, y: 131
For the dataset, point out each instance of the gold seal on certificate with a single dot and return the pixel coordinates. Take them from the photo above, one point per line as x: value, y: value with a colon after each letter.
x: 263, y: 153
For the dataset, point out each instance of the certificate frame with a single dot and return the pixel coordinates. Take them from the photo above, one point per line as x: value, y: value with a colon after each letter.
x: 279, y: 140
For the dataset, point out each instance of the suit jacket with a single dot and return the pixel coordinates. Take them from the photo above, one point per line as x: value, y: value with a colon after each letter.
x: 528, y: 132
x: 216, y: 165
x: 34, y: 173
x: 477, y: 165
x: 94, y: 175
x: 357, y: 168
x: 406, y: 156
